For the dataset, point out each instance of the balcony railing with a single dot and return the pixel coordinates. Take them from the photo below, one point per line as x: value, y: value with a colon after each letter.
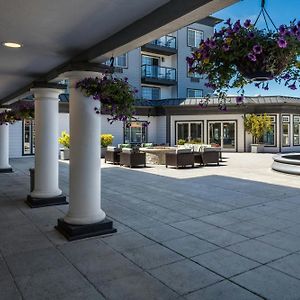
x: 165, y: 41
x: 159, y: 75
x: 165, y: 45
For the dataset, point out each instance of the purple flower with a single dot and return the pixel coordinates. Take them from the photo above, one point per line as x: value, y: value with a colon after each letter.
x: 237, y: 26
x: 266, y: 87
x: 251, y: 56
x: 228, y: 22
x: 286, y: 76
x: 251, y: 35
x: 282, y: 43
x: 257, y: 49
x: 212, y: 44
x: 226, y: 47
x: 293, y: 86
x: 190, y: 60
x: 247, y: 23
x: 239, y: 99
x: 282, y: 29
x: 294, y: 30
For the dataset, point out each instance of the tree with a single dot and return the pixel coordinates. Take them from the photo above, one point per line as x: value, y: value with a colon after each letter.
x: 257, y: 125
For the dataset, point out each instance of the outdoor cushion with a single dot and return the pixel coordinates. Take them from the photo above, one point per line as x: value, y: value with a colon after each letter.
x: 124, y: 146
x: 127, y: 150
x: 146, y: 145
x: 187, y: 150
x: 112, y: 148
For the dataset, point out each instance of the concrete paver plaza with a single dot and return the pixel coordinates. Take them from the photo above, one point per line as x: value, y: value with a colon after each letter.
x: 228, y: 232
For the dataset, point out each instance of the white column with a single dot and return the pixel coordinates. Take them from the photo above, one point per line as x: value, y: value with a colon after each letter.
x: 46, y: 143
x: 85, y: 168
x: 4, y: 147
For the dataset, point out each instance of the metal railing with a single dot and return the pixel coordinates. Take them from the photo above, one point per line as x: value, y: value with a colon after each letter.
x: 157, y: 72
x: 165, y: 41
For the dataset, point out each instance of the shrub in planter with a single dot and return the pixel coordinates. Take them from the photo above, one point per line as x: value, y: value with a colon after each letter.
x: 181, y: 142
x: 64, y: 140
x: 106, y: 140
x: 257, y: 126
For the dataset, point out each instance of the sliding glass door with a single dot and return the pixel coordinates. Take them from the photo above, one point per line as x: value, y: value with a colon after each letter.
x: 222, y: 134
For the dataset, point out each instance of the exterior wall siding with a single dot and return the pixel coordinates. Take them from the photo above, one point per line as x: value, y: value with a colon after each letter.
x: 15, y: 140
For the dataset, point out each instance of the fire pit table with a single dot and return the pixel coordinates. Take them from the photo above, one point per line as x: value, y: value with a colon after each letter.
x: 157, y: 155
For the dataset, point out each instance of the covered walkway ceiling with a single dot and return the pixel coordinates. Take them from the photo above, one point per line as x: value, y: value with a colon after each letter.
x: 59, y: 32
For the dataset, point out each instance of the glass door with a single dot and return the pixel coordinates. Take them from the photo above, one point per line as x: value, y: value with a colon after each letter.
x: 28, y: 137
x: 189, y: 131
x: 228, y: 135
x: 222, y: 134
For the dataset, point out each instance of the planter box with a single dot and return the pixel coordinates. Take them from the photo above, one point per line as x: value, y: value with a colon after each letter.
x: 64, y: 154
x: 103, y: 152
x: 257, y: 148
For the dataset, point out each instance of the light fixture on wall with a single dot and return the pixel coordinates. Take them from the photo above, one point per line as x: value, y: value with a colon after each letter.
x: 11, y: 44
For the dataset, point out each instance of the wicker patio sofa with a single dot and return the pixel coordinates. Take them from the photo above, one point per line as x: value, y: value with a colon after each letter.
x: 180, y: 158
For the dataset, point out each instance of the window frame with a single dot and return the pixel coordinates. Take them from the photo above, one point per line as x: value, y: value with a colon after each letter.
x: 126, y: 61
x: 274, y: 123
x: 151, y: 87
x: 187, y: 93
x: 293, y: 129
x: 289, y: 130
x: 195, y: 30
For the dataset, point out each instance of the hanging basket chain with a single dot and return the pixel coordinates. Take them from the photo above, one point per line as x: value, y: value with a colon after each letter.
x: 266, y: 16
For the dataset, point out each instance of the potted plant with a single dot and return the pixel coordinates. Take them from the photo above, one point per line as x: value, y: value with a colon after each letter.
x: 240, y: 54
x: 106, y: 140
x: 257, y: 125
x: 64, y: 140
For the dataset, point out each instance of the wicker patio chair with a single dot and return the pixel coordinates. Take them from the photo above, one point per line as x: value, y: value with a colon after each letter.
x: 132, y: 158
x: 112, y: 155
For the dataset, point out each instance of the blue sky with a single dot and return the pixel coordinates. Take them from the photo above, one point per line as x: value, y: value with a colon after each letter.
x: 282, y: 12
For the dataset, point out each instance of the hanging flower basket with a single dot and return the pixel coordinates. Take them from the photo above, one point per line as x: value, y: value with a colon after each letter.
x: 116, y: 96
x: 22, y: 110
x: 240, y: 54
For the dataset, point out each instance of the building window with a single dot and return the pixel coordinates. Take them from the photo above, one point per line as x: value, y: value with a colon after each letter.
x: 120, y: 61
x: 150, y: 60
x: 296, y: 130
x: 269, y: 138
x: 194, y: 93
x: 150, y: 93
x: 285, y: 129
x: 189, y: 131
x: 193, y: 74
x: 194, y: 37
x: 135, y: 132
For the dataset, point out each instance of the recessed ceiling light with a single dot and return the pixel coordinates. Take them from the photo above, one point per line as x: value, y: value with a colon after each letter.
x: 12, y: 44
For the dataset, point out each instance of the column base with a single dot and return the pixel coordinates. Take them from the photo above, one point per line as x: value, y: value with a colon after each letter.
x: 76, y: 232
x: 41, y: 202
x: 6, y: 170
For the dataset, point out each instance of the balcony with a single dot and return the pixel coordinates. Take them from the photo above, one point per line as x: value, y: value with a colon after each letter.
x: 158, y: 75
x: 165, y: 45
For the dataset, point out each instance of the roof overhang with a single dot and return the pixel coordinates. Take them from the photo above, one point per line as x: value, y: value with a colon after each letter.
x: 45, y: 23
